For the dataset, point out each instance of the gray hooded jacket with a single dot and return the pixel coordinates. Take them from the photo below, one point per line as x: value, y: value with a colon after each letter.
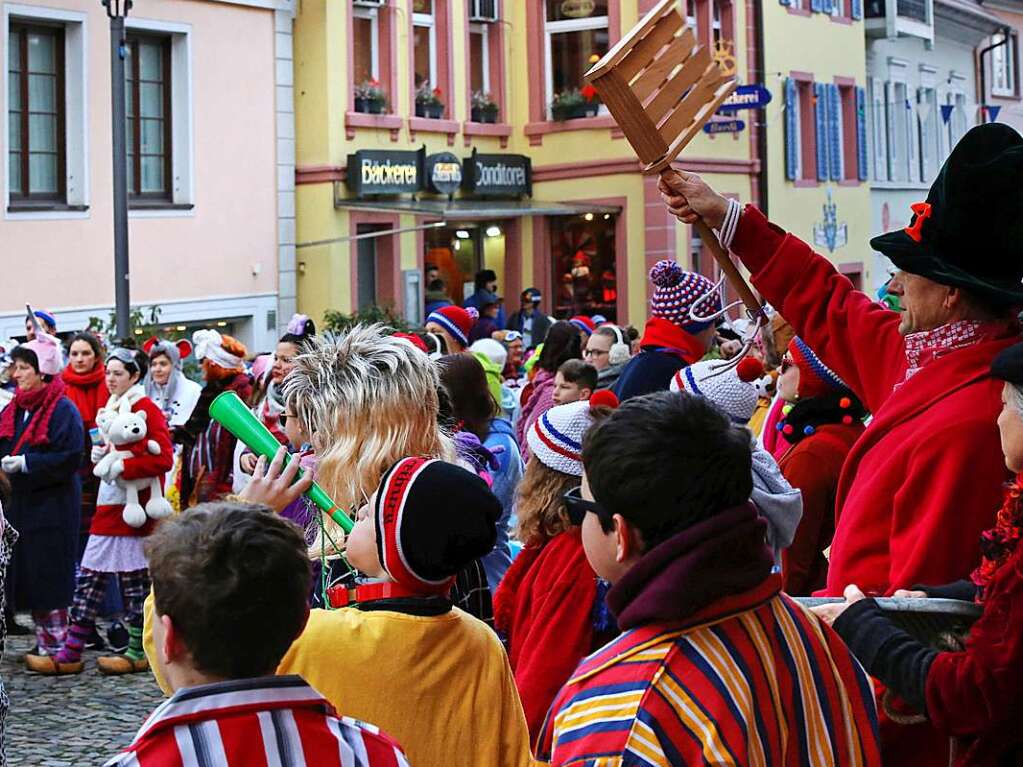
x: 776, y: 500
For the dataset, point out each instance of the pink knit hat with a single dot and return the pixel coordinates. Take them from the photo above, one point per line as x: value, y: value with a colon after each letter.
x: 47, y: 351
x: 676, y: 291
x: 456, y: 320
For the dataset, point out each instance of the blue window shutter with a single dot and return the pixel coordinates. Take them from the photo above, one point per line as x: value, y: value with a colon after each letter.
x: 821, y: 114
x: 861, y: 134
x: 817, y: 5
x: 857, y: 9
x: 835, y: 132
x: 785, y: 2
x: 791, y: 131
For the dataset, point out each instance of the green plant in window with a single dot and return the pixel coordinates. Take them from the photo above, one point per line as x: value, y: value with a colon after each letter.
x: 370, y: 97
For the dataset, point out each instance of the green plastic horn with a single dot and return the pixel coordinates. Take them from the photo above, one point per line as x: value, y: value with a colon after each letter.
x: 230, y: 412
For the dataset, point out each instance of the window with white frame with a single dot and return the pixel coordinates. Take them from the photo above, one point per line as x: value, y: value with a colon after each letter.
x: 576, y: 37
x: 930, y: 145
x: 365, y: 45
x: 479, y: 58
x: 424, y: 43
x: 1003, y: 65
x: 44, y: 93
x: 159, y: 112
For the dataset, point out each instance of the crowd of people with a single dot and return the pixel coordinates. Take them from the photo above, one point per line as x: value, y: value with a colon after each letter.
x: 573, y: 543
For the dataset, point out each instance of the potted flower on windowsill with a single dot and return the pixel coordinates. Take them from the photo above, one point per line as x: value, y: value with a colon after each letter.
x: 370, y: 97
x: 484, y: 108
x: 428, y: 103
x: 591, y: 101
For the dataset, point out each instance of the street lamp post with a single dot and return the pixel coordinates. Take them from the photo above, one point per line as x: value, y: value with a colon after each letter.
x: 117, y: 10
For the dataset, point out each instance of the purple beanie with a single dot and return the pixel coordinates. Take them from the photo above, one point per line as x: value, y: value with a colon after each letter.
x: 675, y: 293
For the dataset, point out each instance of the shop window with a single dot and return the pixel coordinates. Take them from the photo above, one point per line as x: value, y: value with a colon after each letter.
x: 584, y: 275
x: 1003, y: 66
x: 424, y: 44
x: 576, y: 37
x: 457, y: 253
x: 148, y: 111
x: 35, y: 103
x: 375, y: 267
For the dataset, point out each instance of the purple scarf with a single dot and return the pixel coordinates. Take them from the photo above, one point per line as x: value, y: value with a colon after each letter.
x: 719, y: 557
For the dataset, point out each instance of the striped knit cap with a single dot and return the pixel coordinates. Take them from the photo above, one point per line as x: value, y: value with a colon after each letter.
x: 815, y: 378
x: 675, y: 293
x: 457, y: 321
x: 556, y: 437
x: 432, y: 520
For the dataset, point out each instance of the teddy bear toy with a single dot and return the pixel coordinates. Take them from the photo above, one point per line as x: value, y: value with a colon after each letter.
x: 125, y: 431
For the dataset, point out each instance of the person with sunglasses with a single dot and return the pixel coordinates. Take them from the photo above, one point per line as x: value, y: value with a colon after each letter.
x: 714, y: 663
x: 549, y: 606
x: 821, y: 421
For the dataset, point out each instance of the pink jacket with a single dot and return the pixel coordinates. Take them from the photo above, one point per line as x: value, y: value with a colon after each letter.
x: 540, y: 401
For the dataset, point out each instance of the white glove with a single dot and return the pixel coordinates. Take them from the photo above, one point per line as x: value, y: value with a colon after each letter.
x: 98, y: 451
x: 13, y: 464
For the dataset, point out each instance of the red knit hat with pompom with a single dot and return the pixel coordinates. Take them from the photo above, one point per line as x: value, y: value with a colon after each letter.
x: 456, y: 320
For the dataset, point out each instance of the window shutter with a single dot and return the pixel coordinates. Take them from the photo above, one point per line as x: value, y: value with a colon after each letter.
x: 791, y: 131
x: 820, y: 91
x: 891, y: 124
x: 817, y: 5
x: 861, y: 134
x: 835, y: 132
x: 785, y: 2
x: 857, y: 9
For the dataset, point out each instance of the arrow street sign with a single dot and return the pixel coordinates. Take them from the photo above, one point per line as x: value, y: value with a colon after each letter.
x: 747, y: 97
x: 724, y: 126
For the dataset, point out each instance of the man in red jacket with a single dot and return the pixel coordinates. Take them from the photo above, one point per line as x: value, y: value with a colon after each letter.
x: 919, y: 486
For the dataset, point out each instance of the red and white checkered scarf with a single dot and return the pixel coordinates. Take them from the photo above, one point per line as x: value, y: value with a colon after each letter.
x: 928, y: 345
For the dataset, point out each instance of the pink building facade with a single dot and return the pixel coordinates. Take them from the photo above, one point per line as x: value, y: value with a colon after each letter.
x: 211, y: 163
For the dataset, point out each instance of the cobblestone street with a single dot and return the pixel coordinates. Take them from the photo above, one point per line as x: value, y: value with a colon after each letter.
x: 71, y: 721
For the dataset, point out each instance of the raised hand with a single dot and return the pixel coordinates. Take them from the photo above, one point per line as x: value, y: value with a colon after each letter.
x: 689, y: 198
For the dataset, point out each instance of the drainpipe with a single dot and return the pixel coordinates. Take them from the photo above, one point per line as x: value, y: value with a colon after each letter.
x: 983, y: 72
x: 762, y: 129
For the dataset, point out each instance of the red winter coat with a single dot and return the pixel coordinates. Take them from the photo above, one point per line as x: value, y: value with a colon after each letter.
x: 108, y: 520
x: 977, y: 695
x: 544, y: 607
x: 926, y: 477
x: 813, y: 466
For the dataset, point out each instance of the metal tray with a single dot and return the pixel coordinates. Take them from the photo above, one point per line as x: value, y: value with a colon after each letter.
x: 940, y: 623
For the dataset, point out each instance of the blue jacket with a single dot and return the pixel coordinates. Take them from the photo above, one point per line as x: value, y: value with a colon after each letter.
x: 506, y: 480
x: 474, y: 302
x: 45, y: 509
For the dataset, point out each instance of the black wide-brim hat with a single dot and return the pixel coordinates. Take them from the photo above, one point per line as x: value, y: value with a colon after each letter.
x: 969, y: 232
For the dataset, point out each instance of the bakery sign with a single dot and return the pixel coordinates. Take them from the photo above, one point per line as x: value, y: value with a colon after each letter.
x: 375, y: 171
x: 498, y: 175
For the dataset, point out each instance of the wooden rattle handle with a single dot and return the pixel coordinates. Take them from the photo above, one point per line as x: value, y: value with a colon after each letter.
x: 710, y: 240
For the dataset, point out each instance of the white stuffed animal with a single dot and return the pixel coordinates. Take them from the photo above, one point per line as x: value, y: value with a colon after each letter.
x: 125, y: 432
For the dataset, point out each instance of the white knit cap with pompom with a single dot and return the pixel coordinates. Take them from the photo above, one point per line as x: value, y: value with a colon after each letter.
x: 734, y: 391
x: 556, y: 437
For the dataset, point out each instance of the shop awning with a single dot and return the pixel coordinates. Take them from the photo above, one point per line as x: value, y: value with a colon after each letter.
x: 468, y: 210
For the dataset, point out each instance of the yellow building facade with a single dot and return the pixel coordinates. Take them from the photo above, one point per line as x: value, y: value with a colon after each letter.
x: 818, y: 186
x: 452, y: 136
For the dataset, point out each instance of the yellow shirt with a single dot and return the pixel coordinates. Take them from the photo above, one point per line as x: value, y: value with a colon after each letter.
x: 440, y: 685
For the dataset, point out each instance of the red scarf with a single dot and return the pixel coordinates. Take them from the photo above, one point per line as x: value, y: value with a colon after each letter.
x: 87, y: 392
x: 667, y: 337
x: 998, y: 543
x: 42, y: 402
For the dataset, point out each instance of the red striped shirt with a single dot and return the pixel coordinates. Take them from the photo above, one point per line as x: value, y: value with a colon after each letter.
x: 264, y: 722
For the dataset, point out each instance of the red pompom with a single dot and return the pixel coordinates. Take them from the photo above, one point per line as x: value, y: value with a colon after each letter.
x: 845, y: 403
x: 749, y: 369
x: 603, y: 398
x: 788, y: 429
x: 847, y: 420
